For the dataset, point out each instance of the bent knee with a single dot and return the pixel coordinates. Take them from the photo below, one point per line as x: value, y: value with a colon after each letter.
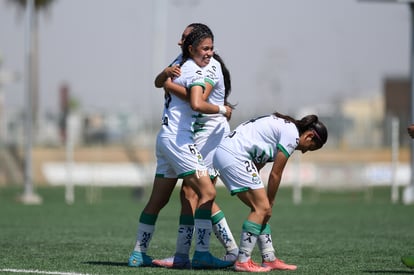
x: 187, y: 193
x: 265, y: 212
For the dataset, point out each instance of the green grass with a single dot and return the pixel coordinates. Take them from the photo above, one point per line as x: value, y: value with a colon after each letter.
x: 329, y: 233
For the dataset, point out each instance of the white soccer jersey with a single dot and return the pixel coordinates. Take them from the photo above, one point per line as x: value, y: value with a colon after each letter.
x: 255, y: 141
x: 210, y: 129
x: 214, y: 75
x: 259, y: 139
x: 178, y: 115
x: 177, y: 155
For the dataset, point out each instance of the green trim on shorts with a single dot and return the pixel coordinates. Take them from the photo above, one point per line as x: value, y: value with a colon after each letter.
x: 159, y: 176
x: 148, y: 218
x: 243, y: 189
x: 180, y: 176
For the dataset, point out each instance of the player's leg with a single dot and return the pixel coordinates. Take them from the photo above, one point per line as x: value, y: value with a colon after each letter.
x: 260, y: 214
x: 256, y: 200
x: 223, y: 233
x: 267, y: 250
x: 206, y: 192
x: 189, y: 199
x: 181, y: 259
x: 160, y: 195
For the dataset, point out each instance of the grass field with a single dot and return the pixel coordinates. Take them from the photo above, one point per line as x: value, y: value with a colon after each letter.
x: 329, y: 233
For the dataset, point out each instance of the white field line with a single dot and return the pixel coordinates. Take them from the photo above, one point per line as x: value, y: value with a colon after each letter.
x: 11, y: 270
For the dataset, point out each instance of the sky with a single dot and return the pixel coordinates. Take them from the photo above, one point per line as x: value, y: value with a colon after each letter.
x: 282, y: 54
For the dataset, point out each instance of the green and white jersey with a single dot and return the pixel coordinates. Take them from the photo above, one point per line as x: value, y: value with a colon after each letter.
x: 260, y: 139
x: 214, y: 76
x: 178, y: 117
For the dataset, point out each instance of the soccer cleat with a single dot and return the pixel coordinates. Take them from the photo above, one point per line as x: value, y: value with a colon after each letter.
x: 204, y: 260
x: 229, y: 257
x: 139, y: 259
x: 279, y: 265
x: 408, y: 261
x: 174, y: 262
x: 166, y: 262
x: 250, y: 266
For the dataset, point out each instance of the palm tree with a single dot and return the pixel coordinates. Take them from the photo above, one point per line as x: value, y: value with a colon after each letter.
x: 39, y: 5
x: 28, y: 196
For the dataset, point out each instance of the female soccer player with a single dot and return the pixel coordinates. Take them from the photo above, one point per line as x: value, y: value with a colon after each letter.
x: 178, y: 157
x: 210, y: 129
x: 240, y: 156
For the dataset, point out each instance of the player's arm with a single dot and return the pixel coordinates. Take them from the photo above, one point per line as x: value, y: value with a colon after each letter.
x: 181, y: 92
x: 207, y: 90
x: 176, y: 89
x: 410, y: 130
x: 169, y: 72
x: 206, y: 94
x: 198, y: 104
x: 275, y: 176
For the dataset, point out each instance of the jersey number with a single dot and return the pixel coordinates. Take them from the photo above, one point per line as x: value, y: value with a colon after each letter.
x: 250, y: 167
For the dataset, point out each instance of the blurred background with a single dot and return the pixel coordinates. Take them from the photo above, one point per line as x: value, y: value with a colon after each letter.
x: 94, y: 106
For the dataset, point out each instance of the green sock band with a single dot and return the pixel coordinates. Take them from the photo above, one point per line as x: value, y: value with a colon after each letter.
x: 217, y: 217
x: 203, y: 214
x: 252, y: 227
x: 187, y: 220
x: 148, y: 218
x: 266, y: 229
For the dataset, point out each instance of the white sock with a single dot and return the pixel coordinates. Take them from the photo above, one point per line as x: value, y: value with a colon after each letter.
x: 203, y: 230
x: 184, y: 238
x: 247, y: 243
x: 144, y: 235
x: 266, y: 248
x: 223, y: 233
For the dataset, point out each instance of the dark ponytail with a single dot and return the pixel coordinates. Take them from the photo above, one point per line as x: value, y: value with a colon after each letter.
x: 227, y: 80
x: 309, y: 122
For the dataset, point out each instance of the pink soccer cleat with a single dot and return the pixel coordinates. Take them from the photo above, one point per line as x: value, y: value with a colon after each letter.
x: 250, y: 266
x: 279, y: 265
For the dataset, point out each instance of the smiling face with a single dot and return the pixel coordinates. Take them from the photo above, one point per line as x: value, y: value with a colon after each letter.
x: 202, y: 53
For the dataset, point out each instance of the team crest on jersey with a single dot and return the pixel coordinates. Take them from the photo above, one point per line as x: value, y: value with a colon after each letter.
x: 256, y: 178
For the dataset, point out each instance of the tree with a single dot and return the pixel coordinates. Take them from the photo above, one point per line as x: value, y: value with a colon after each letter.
x: 39, y: 5
x: 33, y: 7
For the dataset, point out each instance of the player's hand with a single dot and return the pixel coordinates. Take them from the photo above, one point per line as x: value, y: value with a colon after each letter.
x: 229, y: 111
x: 173, y: 71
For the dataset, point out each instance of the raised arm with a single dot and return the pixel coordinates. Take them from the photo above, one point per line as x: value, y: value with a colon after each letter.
x: 169, y: 72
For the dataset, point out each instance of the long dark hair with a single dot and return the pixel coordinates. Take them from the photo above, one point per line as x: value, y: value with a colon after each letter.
x: 200, y: 28
x: 309, y: 122
x: 193, y: 39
